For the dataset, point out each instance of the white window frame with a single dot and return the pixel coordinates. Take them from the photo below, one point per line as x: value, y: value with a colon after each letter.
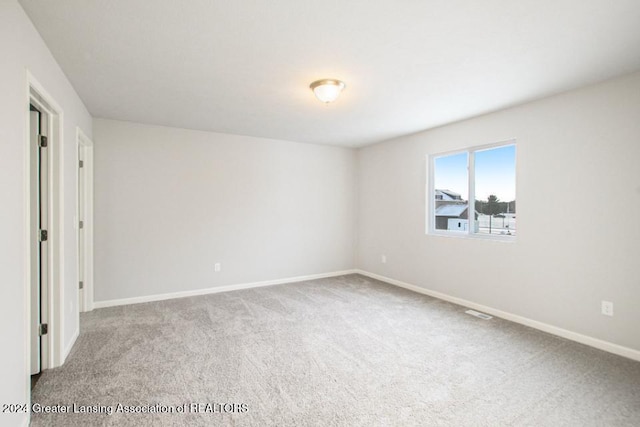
x: 431, y: 193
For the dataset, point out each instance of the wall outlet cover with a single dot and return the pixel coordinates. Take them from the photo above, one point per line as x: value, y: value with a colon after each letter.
x: 607, y: 308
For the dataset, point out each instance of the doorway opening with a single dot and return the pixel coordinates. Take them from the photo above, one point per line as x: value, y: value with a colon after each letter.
x: 39, y: 244
x: 43, y: 206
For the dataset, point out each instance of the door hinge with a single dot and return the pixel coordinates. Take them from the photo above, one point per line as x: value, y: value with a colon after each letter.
x: 81, y: 285
x: 44, y: 235
x: 44, y: 328
x: 42, y: 141
x: 81, y: 224
x: 81, y: 163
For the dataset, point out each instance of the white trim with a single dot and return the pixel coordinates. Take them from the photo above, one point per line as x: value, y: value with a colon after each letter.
x: 475, y: 236
x: 27, y: 418
x: 82, y: 140
x: 67, y: 350
x: 554, y: 330
x: 430, y: 205
x: 26, y: 191
x: 37, y: 94
x: 217, y: 289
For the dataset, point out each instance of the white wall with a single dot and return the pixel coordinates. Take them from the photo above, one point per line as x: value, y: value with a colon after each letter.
x: 21, y: 48
x: 169, y: 203
x: 578, y: 156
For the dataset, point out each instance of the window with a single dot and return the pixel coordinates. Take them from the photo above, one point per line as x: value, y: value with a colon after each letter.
x: 484, y: 175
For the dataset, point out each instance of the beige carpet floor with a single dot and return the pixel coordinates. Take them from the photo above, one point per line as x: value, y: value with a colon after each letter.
x: 344, y: 351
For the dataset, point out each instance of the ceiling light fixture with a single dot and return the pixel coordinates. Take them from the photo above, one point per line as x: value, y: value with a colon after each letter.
x: 327, y: 90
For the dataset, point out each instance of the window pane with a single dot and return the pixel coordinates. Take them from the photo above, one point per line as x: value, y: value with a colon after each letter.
x: 495, y: 190
x: 451, y: 185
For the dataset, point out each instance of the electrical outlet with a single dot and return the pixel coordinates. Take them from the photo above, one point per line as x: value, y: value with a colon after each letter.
x: 383, y: 259
x: 607, y: 308
x: 216, y: 267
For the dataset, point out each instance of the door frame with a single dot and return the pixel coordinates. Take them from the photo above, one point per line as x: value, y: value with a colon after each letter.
x: 52, y: 341
x: 85, y: 146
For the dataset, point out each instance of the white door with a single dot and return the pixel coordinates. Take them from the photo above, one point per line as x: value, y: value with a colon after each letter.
x: 39, y: 220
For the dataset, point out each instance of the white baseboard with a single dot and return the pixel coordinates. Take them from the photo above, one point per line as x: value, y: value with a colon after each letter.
x: 67, y: 350
x: 217, y: 289
x: 564, y: 333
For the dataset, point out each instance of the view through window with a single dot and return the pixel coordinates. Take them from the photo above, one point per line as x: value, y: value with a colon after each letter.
x: 487, y: 176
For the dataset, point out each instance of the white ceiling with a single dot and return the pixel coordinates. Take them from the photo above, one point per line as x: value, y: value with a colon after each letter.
x: 244, y: 67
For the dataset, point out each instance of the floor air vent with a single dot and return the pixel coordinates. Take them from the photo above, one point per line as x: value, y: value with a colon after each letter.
x: 478, y: 314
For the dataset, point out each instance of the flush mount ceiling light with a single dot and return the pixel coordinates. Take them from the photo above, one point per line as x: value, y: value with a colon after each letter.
x: 327, y: 90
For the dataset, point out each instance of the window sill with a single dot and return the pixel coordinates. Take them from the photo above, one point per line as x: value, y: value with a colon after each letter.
x: 463, y: 235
